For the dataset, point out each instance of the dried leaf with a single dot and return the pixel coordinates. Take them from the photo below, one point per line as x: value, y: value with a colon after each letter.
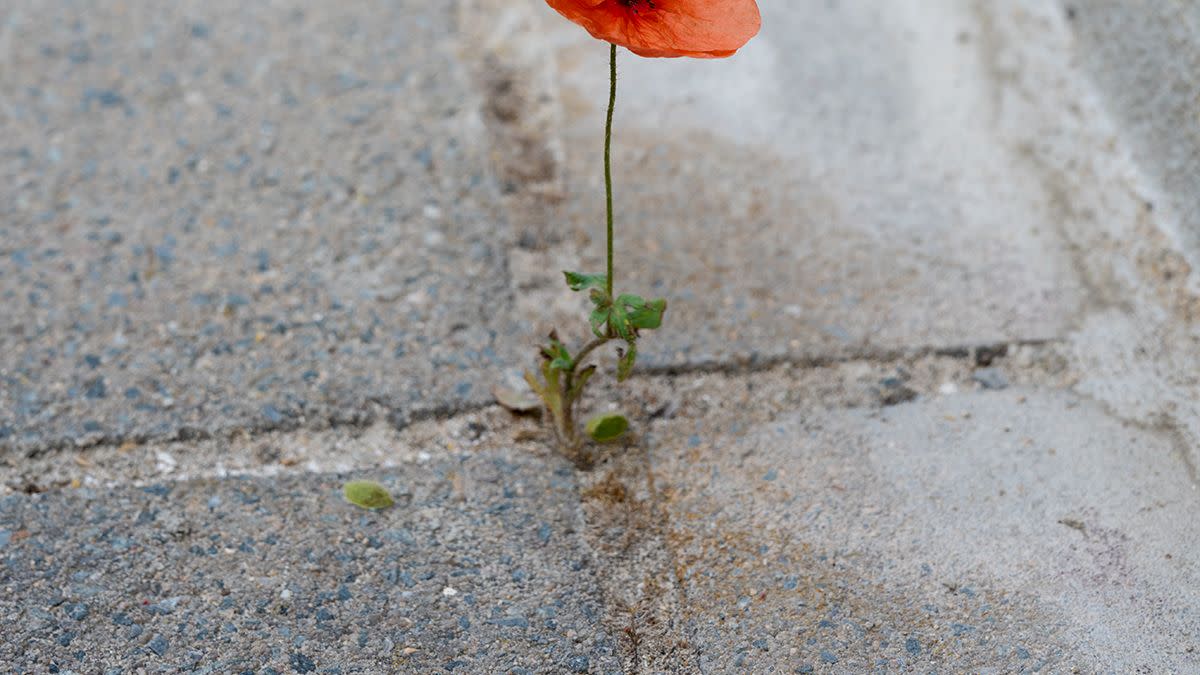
x: 515, y: 400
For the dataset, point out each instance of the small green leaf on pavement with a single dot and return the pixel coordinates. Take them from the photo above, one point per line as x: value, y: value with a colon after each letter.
x: 606, y: 428
x: 367, y: 494
x: 626, y: 362
x: 582, y: 282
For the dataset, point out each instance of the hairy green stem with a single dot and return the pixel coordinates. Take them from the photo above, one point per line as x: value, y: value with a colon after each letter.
x: 587, y: 350
x: 608, y: 186
x: 569, y: 404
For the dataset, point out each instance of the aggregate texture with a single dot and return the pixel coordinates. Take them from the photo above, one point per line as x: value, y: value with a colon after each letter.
x: 478, y: 568
x: 219, y: 216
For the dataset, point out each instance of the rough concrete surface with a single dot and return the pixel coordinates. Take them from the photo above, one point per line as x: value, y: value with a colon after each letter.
x: 219, y: 215
x: 924, y: 400
x: 479, y: 569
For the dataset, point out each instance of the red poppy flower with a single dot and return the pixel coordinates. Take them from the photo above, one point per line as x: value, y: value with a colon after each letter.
x: 697, y: 28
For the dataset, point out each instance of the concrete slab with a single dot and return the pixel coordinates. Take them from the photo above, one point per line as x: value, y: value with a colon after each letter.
x: 217, y: 217
x: 842, y: 184
x: 1009, y: 531
x: 478, y: 568
x: 220, y: 215
x: 1143, y: 57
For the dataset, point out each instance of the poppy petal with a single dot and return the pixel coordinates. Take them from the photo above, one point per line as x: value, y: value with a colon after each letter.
x: 667, y: 28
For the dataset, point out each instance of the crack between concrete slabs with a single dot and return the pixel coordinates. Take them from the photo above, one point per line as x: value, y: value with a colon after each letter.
x: 377, y: 407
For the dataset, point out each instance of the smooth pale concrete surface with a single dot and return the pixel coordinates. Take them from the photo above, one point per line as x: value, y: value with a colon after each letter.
x: 1136, y: 348
x: 1013, y: 531
x: 478, y: 569
x: 218, y: 216
x: 841, y: 184
x: 1139, y: 354
x: 1144, y: 57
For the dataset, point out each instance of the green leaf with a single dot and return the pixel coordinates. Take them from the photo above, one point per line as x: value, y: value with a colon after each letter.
x: 367, y: 494
x: 619, y: 321
x: 626, y: 362
x: 562, y: 359
x: 557, y: 354
x: 606, y: 428
x: 599, y: 321
x: 582, y: 282
x: 642, y: 313
x: 648, y: 316
x: 552, y: 392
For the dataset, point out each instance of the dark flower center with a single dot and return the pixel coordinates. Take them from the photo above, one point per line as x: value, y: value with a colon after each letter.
x: 636, y: 5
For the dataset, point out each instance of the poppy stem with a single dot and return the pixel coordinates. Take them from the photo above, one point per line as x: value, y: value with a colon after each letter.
x: 608, y: 186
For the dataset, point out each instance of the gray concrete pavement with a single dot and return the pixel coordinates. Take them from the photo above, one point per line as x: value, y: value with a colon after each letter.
x: 246, y: 250
x: 478, y: 569
x: 218, y: 216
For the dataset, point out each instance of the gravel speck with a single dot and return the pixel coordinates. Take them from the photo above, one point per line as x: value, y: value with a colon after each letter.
x: 514, y: 622
x: 991, y: 378
x: 912, y: 646
x: 77, y: 611
x: 579, y: 664
x: 301, y: 663
x: 159, y: 645
x: 95, y: 388
x: 164, y: 607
